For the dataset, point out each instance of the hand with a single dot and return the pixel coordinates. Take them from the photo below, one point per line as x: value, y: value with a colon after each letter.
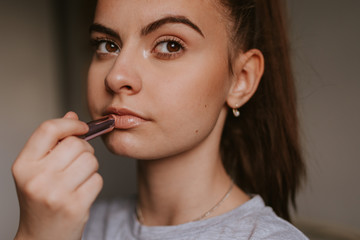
x: 56, y: 180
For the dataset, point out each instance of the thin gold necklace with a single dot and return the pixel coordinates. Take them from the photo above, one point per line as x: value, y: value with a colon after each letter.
x: 141, y: 218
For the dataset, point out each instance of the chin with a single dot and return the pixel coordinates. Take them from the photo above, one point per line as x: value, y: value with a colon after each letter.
x: 128, y: 147
x: 148, y: 150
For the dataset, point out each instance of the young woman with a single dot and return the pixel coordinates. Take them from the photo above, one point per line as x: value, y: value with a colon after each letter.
x: 203, y: 97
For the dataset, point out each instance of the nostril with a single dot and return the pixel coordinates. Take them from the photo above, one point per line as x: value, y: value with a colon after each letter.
x: 110, y: 90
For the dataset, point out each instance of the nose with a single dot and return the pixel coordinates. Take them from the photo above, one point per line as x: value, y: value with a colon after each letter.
x: 123, y: 76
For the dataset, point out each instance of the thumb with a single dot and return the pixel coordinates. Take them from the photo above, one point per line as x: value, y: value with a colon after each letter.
x: 71, y: 115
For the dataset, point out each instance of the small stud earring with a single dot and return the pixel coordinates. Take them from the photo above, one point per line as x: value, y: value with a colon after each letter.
x: 236, y: 111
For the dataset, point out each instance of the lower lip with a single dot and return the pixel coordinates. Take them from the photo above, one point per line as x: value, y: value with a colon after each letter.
x: 127, y: 121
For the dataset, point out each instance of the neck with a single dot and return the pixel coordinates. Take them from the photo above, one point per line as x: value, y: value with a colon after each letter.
x: 183, y: 188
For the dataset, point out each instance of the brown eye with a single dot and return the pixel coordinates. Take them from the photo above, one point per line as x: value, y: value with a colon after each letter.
x: 110, y: 47
x: 169, y: 48
x: 106, y: 46
x: 173, y: 46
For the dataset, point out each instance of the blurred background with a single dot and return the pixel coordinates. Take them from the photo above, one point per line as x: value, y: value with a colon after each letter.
x: 44, y: 55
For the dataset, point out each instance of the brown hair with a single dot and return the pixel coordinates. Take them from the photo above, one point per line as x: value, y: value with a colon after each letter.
x: 260, y: 149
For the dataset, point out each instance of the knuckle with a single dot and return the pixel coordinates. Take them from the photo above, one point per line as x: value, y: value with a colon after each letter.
x: 98, y: 180
x: 72, y: 211
x: 91, y: 161
x: 73, y: 142
x: 16, y: 170
x: 28, y: 189
x: 91, y: 148
x: 53, y: 201
x: 48, y: 127
x: 37, y: 190
x: 88, y: 146
x: 95, y: 163
x: 31, y: 189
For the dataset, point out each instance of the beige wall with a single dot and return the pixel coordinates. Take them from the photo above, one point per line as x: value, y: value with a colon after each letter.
x: 325, y: 38
x: 28, y: 92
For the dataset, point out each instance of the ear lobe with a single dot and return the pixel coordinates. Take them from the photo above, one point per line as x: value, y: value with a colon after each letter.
x: 248, y: 69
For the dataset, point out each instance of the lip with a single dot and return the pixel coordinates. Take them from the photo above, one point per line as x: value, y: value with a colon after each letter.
x: 125, y: 118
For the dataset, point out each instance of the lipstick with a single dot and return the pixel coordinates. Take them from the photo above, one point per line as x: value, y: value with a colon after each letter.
x: 99, y: 127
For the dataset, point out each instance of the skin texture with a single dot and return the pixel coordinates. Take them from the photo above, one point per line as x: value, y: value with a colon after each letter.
x: 168, y: 92
x: 170, y: 104
x: 182, y: 97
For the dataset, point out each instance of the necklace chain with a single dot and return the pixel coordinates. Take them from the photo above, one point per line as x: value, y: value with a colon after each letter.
x: 141, y: 219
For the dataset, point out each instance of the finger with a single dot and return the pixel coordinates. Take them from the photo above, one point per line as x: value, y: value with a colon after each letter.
x: 80, y: 171
x: 49, y: 134
x: 71, y: 115
x: 67, y: 151
x: 89, y: 190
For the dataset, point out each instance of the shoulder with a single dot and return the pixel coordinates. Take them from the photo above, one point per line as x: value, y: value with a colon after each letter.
x: 272, y: 227
x: 261, y: 222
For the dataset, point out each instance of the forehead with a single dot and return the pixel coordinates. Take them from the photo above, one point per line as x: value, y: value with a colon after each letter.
x: 120, y: 14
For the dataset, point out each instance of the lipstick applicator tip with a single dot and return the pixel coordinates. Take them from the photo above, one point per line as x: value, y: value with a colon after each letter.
x: 99, y: 127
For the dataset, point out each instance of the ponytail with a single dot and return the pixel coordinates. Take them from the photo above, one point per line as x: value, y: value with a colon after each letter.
x: 261, y: 150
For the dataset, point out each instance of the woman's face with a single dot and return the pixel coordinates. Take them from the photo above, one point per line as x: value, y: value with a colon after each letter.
x: 162, y: 68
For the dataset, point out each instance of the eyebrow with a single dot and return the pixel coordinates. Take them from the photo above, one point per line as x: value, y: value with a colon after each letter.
x: 170, y: 19
x: 96, y: 27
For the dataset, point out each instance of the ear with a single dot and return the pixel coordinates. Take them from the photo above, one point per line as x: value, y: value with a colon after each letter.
x: 248, y: 69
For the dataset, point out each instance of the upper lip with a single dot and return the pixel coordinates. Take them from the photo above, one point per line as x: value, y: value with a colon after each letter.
x: 123, y: 112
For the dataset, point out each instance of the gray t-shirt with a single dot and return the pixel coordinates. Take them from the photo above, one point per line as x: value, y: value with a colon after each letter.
x: 117, y: 220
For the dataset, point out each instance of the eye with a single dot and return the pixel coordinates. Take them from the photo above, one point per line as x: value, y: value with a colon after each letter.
x: 168, y: 48
x: 105, y: 46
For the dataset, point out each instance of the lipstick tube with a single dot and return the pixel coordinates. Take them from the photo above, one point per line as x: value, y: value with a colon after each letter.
x: 99, y: 127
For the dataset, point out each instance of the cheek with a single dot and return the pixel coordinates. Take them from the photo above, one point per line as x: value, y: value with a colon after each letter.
x: 95, y: 87
x: 194, y: 96
x: 202, y: 86
x: 209, y: 96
